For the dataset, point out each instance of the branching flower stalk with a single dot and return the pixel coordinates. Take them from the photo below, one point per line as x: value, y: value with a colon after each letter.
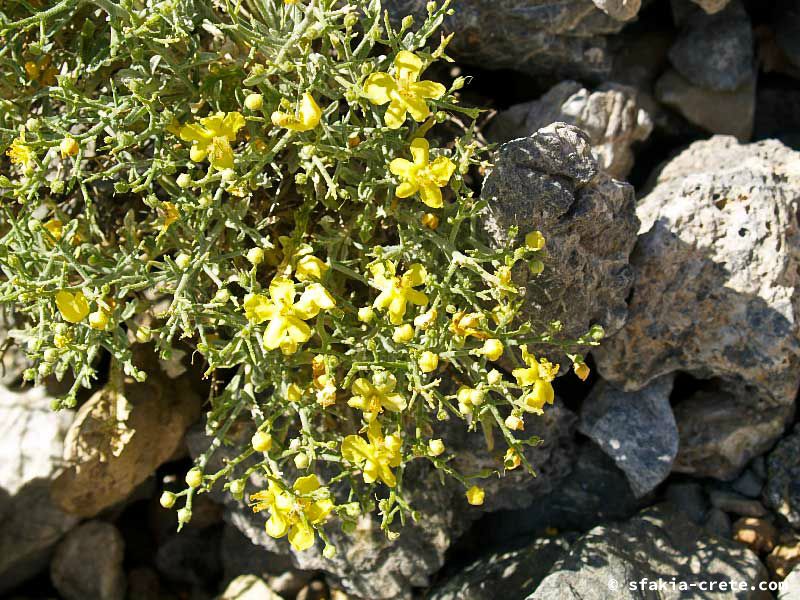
x: 284, y: 189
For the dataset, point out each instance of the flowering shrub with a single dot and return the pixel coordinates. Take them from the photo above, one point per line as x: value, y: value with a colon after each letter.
x: 259, y: 181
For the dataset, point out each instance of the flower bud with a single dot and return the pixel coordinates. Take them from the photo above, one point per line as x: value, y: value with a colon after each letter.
x: 492, y: 349
x: 366, y: 314
x: 222, y: 296
x: 393, y: 442
x: 261, y: 441
x: 329, y: 551
x: 183, y: 261
x: 494, y: 377
x: 255, y: 256
x: 430, y: 220
x: 254, y: 101
x: 98, y: 320
x: 184, y: 180
x: 184, y: 516
x: 512, y: 459
x: 167, y: 499
x: 435, y: 447
x: 581, y: 370
x: 534, y: 240
x: 143, y: 334
x: 194, y: 478
x: 236, y: 488
x: 301, y: 460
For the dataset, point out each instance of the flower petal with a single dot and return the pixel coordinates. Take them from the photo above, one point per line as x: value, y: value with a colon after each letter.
x: 428, y: 89
x: 282, y: 291
x: 419, y: 151
x: 301, y: 536
x: 307, y: 484
x: 415, y: 276
x: 418, y: 108
x: 406, y: 189
x: 442, y: 169
x: 276, y: 525
x: 395, y: 115
x: 401, y: 167
x: 431, y: 195
x: 378, y: 87
x: 356, y: 449
x: 408, y: 65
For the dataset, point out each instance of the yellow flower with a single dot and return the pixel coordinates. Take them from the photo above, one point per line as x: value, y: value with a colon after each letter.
x: 310, y: 267
x: 170, y: 215
x: 421, y: 175
x: 69, y: 147
x: 375, y: 456
x: 73, y: 307
x: 372, y: 397
x: 307, y: 117
x: 402, y: 90
x: 287, y: 327
x: 475, y: 495
x: 581, y: 370
x: 492, y: 349
x: 466, y: 324
x: 512, y: 459
x: 294, y: 513
x: 55, y: 227
x: 212, y: 138
x: 428, y: 361
x: 537, y: 376
x: 21, y: 154
x: 397, y: 292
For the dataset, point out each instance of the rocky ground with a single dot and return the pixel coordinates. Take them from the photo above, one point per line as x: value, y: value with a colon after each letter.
x: 654, y: 144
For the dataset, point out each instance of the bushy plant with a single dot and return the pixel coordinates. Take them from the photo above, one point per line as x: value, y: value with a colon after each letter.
x: 254, y: 180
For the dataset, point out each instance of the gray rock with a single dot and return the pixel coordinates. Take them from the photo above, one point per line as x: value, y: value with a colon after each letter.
x: 31, y: 444
x: 594, y: 492
x: 88, y: 563
x: 657, y: 543
x: 718, y: 523
x: 636, y: 429
x: 748, y: 484
x: 791, y: 586
x: 717, y: 275
x: 248, y: 587
x: 722, y: 430
x: 510, y: 575
x: 689, y: 498
x: 735, y: 504
x: 621, y: 10
x: 551, y: 182
x: 564, y: 38
x: 611, y: 116
x: 728, y: 113
x: 715, y: 52
x: 782, y: 492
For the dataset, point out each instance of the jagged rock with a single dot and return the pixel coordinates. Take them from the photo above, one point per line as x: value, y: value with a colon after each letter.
x: 715, y: 52
x: 119, y: 439
x: 611, y: 116
x: 88, y: 563
x: 722, y: 429
x: 594, y: 492
x: 636, y: 429
x: 656, y: 544
x: 551, y: 182
x: 728, y: 113
x: 510, y: 575
x: 248, y: 587
x: 782, y: 492
x: 564, y: 38
x: 716, y: 295
x: 621, y: 10
x: 31, y: 444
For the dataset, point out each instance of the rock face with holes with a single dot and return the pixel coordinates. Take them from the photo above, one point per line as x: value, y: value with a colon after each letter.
x: 611, y: 116
x: 717, y: 278
x: 550, y: 181
x: 565, y: 38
